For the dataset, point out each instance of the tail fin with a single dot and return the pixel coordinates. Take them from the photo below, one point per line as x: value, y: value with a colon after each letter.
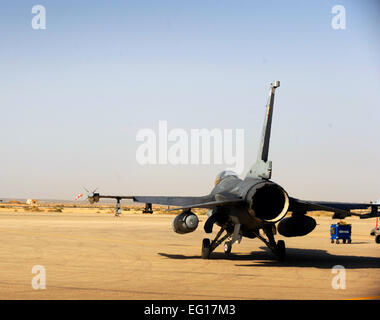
x: 263, y: 168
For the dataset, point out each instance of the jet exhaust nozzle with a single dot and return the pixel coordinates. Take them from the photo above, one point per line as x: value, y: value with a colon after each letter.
x: 185, y: 222
x: 268, y: 201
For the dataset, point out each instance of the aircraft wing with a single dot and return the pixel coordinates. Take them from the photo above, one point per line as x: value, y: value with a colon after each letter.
x: 182, y: 203
x: 209, y: 205
x: 170, y: 201
x: 173, y: 201
x: 340, y: 209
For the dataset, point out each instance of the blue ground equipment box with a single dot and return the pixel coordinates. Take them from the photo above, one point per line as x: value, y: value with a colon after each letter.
x: 340, y: 231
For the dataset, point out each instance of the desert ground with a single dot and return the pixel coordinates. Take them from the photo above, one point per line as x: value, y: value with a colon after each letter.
x: 91, y: 254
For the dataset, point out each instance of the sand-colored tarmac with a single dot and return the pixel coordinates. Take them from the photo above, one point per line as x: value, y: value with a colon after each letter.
x: 135, y: 256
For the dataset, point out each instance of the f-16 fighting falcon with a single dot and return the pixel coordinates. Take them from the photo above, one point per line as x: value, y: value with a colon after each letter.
x: 252, y: 207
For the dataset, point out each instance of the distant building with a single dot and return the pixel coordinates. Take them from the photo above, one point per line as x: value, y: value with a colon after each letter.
x: 32, y: 202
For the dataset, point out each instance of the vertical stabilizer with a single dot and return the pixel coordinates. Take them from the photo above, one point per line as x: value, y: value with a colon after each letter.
x: 263, y: 168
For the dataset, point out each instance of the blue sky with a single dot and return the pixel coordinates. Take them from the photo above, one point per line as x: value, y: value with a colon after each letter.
x: 73, y: 96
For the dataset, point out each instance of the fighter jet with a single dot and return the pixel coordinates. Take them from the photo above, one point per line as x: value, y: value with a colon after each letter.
x: 252, y: 207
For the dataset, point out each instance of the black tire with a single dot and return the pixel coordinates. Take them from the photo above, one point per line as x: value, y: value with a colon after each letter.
x: 344, y: 241
x: 227, y: 247
x: 332, y: 240
x: 337, y: 241
x: 206, y: 248
x: 349, y: 240
x: 377, y: 239
x: 281, y: 250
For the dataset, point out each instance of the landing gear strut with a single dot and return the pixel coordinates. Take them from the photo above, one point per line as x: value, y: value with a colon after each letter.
x: 118, y: 209
x: 232, y: 236
x: 148, y: 208
x: 277, y: 248
x: 208, y: 247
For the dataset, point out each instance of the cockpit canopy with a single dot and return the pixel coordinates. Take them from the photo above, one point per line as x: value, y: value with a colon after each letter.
x: 224, y: 174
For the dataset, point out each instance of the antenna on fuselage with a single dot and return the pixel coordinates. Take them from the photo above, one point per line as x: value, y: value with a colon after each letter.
x: 263, y: 167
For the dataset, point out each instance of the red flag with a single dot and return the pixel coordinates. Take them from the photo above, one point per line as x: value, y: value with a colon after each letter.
x: 79, y: 196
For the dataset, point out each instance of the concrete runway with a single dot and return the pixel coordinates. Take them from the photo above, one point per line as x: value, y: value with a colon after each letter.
x: 99, y: 256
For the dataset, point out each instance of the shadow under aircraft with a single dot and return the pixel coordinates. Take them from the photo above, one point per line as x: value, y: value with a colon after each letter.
x: 296, y: 257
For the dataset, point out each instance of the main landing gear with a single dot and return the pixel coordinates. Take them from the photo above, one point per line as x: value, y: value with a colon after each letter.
x: 230, y: 236
x: 208, y: 246
x: 278, y: 248
x: 118, y: 209
x: 148, y: 208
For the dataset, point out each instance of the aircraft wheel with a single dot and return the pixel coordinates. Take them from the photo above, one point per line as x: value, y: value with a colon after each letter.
x: 332, y: 240
x: 281, y: 251
x: 349, y: 240
x: 377, y: 239
x: 337, y: 241
x: 206, y: 248
x: 344, y: 241
x: 227, y: 247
